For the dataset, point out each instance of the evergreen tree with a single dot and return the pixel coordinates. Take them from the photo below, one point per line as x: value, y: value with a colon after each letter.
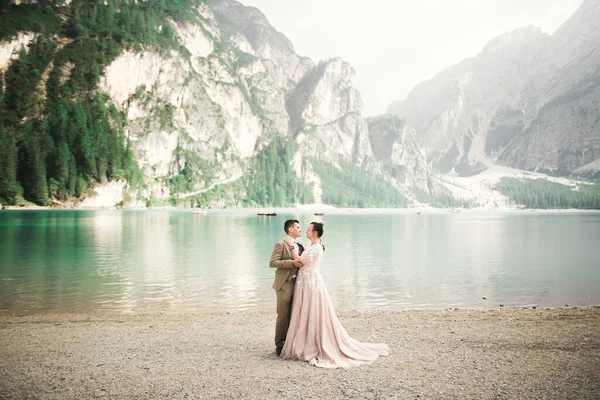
x: 350, y: 186
x: 541, y: 193
x: 9, y: 188
x: 32, y: 166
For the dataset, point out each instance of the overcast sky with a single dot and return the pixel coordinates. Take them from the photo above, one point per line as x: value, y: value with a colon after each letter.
x: 395, y: 44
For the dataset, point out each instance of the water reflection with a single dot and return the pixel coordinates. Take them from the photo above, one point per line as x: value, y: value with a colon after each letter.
x: 159, y: 260
x: 240, y: 287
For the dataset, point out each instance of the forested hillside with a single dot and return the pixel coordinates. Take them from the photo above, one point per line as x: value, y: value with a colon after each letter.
x: 58, y: 133
x: 186, y: 103
x: 195, y: 103
x: 541, y: 193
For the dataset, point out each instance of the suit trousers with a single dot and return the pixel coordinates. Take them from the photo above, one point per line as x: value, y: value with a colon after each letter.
x: 284, y: 311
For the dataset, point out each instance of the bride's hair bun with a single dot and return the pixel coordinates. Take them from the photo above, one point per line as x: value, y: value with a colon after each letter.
x: 318, y: 227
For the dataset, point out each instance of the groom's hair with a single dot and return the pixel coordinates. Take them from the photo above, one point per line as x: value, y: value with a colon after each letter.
x: 288, y: 224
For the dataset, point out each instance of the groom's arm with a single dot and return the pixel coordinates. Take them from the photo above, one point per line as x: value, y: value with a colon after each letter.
x: 276, y: 261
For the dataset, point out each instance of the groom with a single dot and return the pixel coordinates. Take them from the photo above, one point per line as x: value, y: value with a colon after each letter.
x: 285, y: 279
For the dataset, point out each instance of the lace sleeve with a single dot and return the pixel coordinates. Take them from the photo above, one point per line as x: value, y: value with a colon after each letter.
x: 312, y: 255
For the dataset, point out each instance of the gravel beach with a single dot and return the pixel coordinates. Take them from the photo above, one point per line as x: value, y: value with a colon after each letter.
x: 500, y: 354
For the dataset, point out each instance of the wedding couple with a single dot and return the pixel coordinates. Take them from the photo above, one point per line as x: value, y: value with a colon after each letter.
x: 307, y: 327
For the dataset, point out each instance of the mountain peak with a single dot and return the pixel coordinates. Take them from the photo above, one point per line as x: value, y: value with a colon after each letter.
x: 252, y: 23
x: 510, y: 39
x: 527, y: 100
x: 584, y: 22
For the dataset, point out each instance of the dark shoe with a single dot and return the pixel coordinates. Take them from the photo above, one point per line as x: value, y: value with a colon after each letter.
x: 278, y: 351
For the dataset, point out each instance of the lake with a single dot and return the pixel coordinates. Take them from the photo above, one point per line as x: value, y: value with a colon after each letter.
x: 163, y: 260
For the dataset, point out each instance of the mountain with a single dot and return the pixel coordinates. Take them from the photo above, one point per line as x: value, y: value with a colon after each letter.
x: 564, y: 136
x: 187, y: 103
x: 528, y: 101
x: 396, y: 146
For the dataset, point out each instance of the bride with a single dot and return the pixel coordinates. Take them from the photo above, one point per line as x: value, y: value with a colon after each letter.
x: 315, y: 334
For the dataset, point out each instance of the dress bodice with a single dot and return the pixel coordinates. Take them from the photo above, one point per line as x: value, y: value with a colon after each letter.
x: 311, y: 256
x: 309, y: 272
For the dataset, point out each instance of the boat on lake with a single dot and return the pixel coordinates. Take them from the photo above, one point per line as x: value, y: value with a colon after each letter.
x: 267, y: 213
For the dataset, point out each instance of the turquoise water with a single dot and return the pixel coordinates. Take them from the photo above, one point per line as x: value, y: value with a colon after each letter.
x: 171, y: 260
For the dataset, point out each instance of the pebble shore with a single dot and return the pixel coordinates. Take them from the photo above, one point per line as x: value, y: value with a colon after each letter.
x: 494, y: 354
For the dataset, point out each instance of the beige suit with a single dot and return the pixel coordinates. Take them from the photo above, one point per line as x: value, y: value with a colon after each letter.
x: 285, y: 278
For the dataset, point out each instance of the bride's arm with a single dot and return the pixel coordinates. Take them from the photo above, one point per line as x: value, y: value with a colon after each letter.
x: 311, y: 256
x: 293, y: 250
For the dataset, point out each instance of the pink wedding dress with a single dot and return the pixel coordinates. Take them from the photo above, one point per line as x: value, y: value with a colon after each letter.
x: 315, y: 334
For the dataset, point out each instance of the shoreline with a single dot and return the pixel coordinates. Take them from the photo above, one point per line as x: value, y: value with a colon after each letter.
x: 40, y: 315
x: 308, y: 208
x: 505, y: 353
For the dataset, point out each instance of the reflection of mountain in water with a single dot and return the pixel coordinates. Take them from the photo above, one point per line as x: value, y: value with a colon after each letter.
x: 151, y: 277
x: 239, y: 287
x: 169, y: 261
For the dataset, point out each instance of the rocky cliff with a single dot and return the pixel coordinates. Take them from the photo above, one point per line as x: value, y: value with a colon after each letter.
x: 213, y: 119
x: 242, y: 86
x: 528, y: 101
x: 562, y: 135
x: 398, y: 149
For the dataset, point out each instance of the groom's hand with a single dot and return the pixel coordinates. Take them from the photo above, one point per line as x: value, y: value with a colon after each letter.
x: 298, y: 263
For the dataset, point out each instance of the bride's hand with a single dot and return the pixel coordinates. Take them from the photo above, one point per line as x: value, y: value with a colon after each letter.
x: 288, y: 241
x: 298, y: 263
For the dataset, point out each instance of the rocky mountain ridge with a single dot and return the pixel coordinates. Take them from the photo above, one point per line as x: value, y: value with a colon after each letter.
x: 198, y: 116
x: 528, y: 101
x: 230, y: 115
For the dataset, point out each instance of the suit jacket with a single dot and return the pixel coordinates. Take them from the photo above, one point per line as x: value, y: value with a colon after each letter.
x: 282, y: 260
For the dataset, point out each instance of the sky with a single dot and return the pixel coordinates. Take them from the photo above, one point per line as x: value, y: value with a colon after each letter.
x: 395, y: 44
